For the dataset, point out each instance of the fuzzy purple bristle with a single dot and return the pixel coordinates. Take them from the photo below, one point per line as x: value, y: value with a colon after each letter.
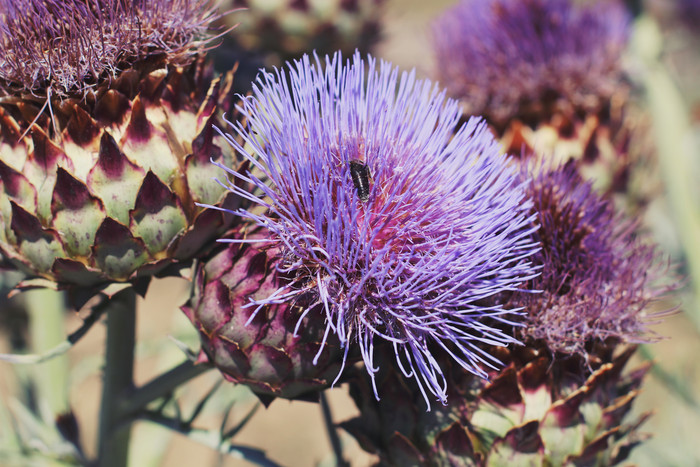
x: 444, y: 225
x: 599, y: 275
x: 67, y: 46
x: 499, y: 57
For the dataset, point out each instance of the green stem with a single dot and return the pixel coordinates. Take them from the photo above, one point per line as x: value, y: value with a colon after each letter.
x: 46, y: 309
x: 115, y: 429
x: 60, y: 349
x: 162, y: 386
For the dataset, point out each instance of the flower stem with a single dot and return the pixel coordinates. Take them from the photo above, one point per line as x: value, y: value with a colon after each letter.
x: 46, y: 309
x: 44, y: 319
x: 115, y: 430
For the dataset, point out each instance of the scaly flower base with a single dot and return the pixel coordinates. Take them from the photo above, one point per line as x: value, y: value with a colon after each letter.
x: 102, y: 188
x: 536, y: 411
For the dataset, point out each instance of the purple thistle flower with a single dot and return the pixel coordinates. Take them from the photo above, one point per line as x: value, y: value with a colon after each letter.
x: 504, y: 58
x: 406, y: 250
x: 67, y: 46
x: 598, y: 275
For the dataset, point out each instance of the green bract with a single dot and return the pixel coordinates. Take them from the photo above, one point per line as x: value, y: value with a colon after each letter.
x: 536, y: 411
x: 102, y: 187
x: 290, y: 27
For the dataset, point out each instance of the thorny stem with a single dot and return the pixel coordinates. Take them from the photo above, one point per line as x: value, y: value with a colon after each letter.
x: 332, y: 433
x: 121, y: 403
x: 115, y: 430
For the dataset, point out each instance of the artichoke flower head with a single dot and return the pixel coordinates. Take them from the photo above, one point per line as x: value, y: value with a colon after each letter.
x: 395, y: 223
x: 549, y: 77
x: 273, y: 351
x: 107, y: 110
x: 564, y: 397
x: 600, y: 276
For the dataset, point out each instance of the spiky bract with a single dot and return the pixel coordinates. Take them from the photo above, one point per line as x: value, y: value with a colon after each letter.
x: 444, y: 227
x: 538, y: 410
x: 111, y: 196
x: 65, y: 47
x: 266, y: 354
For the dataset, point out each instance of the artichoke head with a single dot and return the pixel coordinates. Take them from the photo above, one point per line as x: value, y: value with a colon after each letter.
x: 291, y: 27
x: 102, y: 187
x: 536, y: 411
x: 609, y: 142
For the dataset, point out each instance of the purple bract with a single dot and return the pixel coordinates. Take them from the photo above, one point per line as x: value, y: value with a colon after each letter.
x: 406, y: 252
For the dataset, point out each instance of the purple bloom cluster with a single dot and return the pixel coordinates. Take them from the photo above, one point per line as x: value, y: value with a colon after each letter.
x: 398, y: 226
x: 598, y: 275
x: 503, y: 58
x: 66, y: 46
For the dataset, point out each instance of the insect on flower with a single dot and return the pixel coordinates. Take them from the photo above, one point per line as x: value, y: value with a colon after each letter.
x: 414, y: 269
x: 360, y: 178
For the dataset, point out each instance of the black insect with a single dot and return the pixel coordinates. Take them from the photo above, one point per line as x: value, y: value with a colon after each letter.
x: 360, y: 178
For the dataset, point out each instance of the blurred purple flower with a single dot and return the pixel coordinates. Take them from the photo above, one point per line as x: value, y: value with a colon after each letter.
x: 689, y: 13
x: 404, y: 251
x: 67, y: 46
x: 598, y: 274
x: 504, y: 58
